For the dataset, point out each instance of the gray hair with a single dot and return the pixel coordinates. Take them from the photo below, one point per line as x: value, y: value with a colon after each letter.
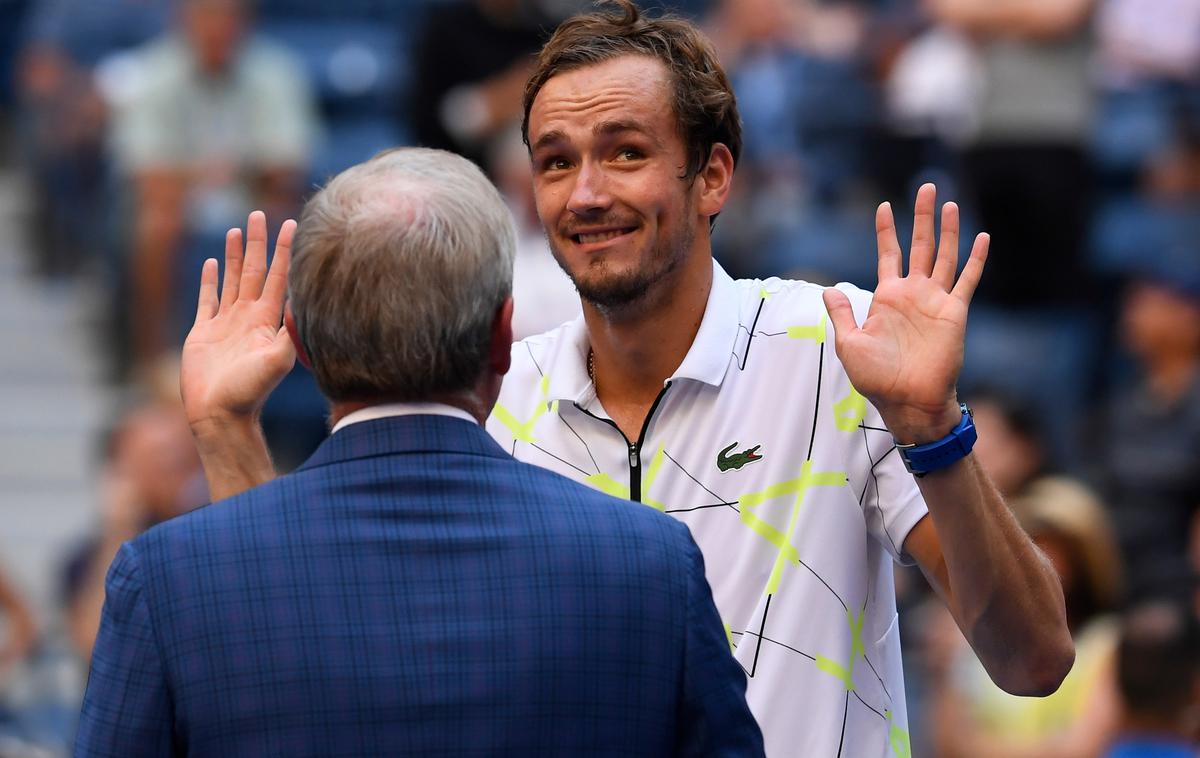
x: 399, y: 267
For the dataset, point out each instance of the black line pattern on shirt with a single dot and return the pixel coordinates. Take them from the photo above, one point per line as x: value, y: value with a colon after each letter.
x: 868, y: 705
x: 560, y: 460
x: 702, y: 507
x: 724, y: 501
x: 875, y: 477
x: 535, y: 363
x: 581, y: 440
x: 776, y: 642
x: 812, y: 658
x: 818, y: 576
x: 817, y: 403
x: 845, y: 717
x: 750, y: 338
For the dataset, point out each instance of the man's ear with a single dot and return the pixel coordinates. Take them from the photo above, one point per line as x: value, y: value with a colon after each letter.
x: 289, y: 321
x: 500, y: 357
x: 715, y: 179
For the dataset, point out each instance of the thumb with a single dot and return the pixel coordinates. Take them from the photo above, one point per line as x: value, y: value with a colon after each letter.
x: 840, y: 312
x: 283, y: 353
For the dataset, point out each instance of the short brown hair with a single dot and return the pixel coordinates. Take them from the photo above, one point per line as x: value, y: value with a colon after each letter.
x: 704, y: 104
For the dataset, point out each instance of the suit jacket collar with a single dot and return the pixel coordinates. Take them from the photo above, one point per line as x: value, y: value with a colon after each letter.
x: 404, y: 434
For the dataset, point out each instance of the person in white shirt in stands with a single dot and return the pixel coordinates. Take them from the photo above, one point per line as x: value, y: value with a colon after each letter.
x: 770, y: 416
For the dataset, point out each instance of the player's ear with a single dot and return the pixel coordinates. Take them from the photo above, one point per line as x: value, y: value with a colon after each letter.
x: 714, y: 180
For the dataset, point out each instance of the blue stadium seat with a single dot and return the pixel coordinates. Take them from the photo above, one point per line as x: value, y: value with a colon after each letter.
x: 1130, y: 126
x: 356, y: 66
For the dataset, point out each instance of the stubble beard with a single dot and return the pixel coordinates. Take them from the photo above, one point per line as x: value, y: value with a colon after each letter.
x: 628, y: 292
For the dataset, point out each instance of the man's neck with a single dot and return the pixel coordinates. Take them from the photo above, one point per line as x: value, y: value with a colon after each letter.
x: 465, y: 401
x: 635, y: 351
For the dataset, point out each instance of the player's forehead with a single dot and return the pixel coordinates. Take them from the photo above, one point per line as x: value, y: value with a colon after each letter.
x: 633, y: 89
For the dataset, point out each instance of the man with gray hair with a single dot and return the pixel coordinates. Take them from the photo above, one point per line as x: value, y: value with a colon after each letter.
x: 411, y: 589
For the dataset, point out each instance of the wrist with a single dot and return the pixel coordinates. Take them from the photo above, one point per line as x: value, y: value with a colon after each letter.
x: 926, y: 458
x: 917, y: 426
x: 218, y: 431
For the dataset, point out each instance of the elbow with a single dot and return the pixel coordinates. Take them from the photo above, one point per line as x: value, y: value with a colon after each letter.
x: 1043, y: 670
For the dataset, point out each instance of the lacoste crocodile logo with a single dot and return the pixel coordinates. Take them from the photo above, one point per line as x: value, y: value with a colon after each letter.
x: 725, y: 461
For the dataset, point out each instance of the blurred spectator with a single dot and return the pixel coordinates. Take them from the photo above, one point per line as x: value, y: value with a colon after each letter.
x: 1158, y: 679
x: 64, y: 118
x: 972, y: 718
x: 20, y: 629
x: 795, y: 66
x: 543, y: 295
x: 1144, y: 39
x: 1148, y: 444
x: 209, y: 121
x: 469, y: 71
x: 1009, y: 446
x: 151, y: 473
x: 1027, y: 165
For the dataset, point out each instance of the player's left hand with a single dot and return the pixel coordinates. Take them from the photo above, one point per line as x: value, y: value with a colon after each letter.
x: 907, y: 355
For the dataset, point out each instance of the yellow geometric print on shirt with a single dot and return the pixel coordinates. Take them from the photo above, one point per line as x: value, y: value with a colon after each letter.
x: 898, y: 738
x: 815, y: 333
x: 849, y: 412
x: 846, y: 673
x: 609, y: 486
x: 783, y: 540
x: 523, y: 430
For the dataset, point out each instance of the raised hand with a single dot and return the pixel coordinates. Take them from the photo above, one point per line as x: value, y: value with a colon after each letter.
x: 907, y: 355
x: 237, y: 351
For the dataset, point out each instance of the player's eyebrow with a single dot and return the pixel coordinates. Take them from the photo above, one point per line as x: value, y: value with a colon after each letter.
x: 608, y: 128
x: 554, y: 135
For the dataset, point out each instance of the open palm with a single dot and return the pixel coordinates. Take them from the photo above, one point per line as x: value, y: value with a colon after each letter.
x: 907, y: 355
x: 236, y: 351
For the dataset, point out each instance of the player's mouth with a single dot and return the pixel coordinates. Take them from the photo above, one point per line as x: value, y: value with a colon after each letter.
x: 596, y: 238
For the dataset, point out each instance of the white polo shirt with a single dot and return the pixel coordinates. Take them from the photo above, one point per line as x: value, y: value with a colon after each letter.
x: 791, y: 487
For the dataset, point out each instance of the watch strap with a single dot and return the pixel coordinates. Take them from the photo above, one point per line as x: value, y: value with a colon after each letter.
x: 932, y: 456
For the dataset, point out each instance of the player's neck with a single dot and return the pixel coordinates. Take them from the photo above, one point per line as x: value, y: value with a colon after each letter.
x: 635, y: 352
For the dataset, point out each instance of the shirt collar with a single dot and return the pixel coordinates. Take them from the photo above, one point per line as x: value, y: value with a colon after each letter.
x: 387, y: 410
x: 706, y: 361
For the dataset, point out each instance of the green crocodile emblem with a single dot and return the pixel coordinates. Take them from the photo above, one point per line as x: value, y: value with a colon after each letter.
x: 725, y: 461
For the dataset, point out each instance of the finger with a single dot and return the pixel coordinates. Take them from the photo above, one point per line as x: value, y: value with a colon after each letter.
x: 840, y: 312
x: 207, y: 306
x: 276, y: 287
x: 947, y: 255
x: 920, y: 257
x: 283, y: 352
x: 968, y: 280
x: 888, y: 243
x: 254, y: 269
x: 233, y: 269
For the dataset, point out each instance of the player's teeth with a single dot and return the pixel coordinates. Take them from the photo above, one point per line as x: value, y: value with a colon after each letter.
x: 601, y: 237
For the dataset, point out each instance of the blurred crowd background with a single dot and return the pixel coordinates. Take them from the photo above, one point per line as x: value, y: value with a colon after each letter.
x: 134, y: 133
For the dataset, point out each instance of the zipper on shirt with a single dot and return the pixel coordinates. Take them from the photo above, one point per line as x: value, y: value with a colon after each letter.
x: 635, y: 448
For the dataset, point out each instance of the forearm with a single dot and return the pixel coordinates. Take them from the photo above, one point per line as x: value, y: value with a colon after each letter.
x: 1029, y: 18
x: 234, y: 454
x: 1004, y: 594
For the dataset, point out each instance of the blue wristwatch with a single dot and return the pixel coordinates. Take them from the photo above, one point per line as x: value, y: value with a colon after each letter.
x: 922, y: 459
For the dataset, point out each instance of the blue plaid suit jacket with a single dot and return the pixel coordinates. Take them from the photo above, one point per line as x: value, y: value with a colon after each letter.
x: 413, y: 590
